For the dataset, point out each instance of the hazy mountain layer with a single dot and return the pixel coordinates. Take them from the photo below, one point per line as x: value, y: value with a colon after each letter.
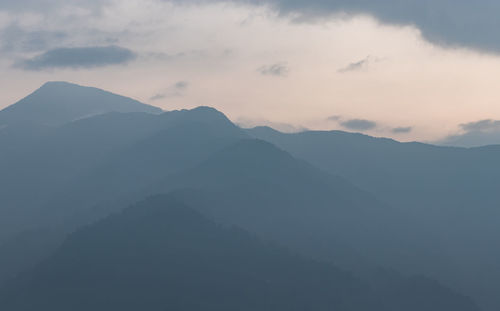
x: 453, y: 192
x: 70, y: 161
x: 56, y: 179
x: 161, y: 255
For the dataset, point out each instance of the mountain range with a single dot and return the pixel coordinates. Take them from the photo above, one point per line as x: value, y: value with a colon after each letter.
x: 451, y: 191
x: 395, y: 216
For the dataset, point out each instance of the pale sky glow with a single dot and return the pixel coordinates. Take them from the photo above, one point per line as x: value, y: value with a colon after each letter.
x: 259, y: 67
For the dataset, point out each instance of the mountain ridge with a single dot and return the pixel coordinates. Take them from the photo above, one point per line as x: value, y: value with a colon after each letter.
x: 56, y: 103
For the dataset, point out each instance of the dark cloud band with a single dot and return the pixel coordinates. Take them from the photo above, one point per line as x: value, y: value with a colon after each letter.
x: 481, y: 126
x: 463, y: 23
x: 475, y: 134
x: 402, y: 130
x: 80, y: 57
x: 472, y: 24
x: 359, y: 125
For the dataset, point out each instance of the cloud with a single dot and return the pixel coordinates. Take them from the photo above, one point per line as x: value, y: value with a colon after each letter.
x: 49, y: 5
x: 176, y: 56
x: 158, y: 97
x: 26, y: 5
x: 481, y: 126
x: 175, y: 90
x: 359, y: 65
x: 475, y: 134
x: 276, y: 70
x: 353, y: 124
x: 366, y: 125
x: 355, y: 66
x: 402, y: 130
x: 181, y: 85
x: 334, y: 118
x: 79, y: 57
x: 15, y: 38
x: 358, y: 124
x: 470, y: 24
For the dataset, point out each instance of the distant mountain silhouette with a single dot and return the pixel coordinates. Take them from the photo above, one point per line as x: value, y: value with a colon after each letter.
x: 162, y: 255
x: 441, y: 201
x: 240, y: 181
x: 89, y: 168
x: 451, y: 191
x: 56, y: 103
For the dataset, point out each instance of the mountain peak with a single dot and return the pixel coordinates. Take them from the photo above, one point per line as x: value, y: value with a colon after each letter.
x: 204, y: 112
x: 263, y: 131
x: 204, y: 115
x: 58, y: 102
x: 49, y: 84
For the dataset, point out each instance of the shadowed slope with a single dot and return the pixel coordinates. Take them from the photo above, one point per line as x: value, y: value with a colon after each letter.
x: 161, y: 255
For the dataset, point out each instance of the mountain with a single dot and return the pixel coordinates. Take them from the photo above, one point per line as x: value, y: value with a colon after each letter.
x: 265, y: 190
x: 424, y: 179
x: 86, y: 169
x: 57, y: 179
x: 56, y: 103
x: 71, y: 160
x: 146, y: 162
x: 162, y: 255
x: 451, y: 191
x: 238, y: 181
x: 26, y: 250
x: 71, y: 169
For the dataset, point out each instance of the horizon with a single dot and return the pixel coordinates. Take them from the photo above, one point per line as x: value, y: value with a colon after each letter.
x: 290, y: 65
x: 276, y: 127
x: 282, y: 128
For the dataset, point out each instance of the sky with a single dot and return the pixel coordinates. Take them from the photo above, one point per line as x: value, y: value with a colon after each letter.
x: 410, y: 70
